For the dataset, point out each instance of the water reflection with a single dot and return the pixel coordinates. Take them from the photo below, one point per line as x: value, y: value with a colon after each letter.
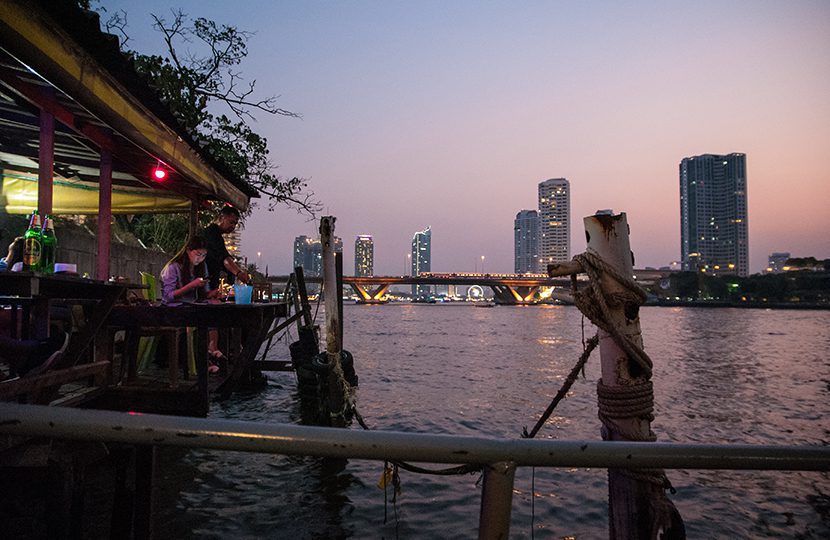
x: 720, y: 376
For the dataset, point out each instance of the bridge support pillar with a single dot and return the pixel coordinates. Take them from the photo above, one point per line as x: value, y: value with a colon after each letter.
x: 510, y: 296
x: 376, y: 294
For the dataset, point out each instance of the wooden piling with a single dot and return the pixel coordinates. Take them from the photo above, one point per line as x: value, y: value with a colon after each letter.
x: 336, y: 392
x: 632, y: 501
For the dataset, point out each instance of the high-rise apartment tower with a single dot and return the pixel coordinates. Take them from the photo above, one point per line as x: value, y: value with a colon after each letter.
x: 421, y: 259
x: 364, y: 256
x: 713, y: 214
x: 554, y: 222
x: 526, y: 242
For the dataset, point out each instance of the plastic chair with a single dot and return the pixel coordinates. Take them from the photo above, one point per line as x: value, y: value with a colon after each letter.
x: 149, y: 338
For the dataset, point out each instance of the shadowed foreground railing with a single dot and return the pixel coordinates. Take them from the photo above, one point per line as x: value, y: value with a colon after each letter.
x: 498, y: 456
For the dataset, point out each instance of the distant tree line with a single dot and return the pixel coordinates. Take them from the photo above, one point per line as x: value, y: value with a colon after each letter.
x: 807, y: 286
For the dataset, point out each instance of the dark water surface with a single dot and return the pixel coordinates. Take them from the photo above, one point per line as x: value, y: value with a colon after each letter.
x: 721, y: 376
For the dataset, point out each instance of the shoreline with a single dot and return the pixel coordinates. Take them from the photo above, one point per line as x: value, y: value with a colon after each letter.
x: 741, y: 305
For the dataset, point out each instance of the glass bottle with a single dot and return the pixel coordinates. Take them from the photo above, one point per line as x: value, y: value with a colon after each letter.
x: 32, y: 245
x: 49, y: 247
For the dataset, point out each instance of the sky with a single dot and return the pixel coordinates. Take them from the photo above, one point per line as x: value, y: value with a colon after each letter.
x: 449, y: 114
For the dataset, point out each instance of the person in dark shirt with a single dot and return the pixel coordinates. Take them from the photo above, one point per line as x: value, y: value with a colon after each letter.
x: 218, y: 259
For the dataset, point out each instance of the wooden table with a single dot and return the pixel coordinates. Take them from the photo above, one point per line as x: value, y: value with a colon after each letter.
x: 34, y: 295
x: 42, y: 290
x: 253, y: 319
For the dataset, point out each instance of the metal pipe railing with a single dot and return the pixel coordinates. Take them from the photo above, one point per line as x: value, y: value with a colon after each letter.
x: 149, y: 429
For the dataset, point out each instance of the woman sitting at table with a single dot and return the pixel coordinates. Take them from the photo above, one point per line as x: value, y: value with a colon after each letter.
x: 185, y: 279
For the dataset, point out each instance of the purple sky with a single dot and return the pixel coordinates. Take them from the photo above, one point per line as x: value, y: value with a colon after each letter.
x: 448, y: 114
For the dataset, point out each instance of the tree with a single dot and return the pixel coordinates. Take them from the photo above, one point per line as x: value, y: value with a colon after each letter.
x: 198, y: 83
x: 198, y: 79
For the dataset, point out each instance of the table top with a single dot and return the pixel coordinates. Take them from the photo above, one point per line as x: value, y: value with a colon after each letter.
x: 221, y: 315
x: 55, y: 285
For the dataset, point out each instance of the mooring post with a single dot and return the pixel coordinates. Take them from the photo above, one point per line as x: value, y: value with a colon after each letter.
x: 632, y: 500
x: 496, y: 501
x: 336, y: 390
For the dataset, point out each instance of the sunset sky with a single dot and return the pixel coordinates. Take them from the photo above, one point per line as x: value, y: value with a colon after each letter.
x: 448, y: 114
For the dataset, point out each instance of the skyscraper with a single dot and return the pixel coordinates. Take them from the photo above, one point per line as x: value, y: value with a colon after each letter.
x: 554, y: 222
x: 364, y: 256
x: 308, y: 253
x: 526, y: 242
x: 421, y: 259
x: 713, y: 214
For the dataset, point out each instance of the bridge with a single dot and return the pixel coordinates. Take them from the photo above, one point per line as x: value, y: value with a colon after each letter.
x: 508, y: 289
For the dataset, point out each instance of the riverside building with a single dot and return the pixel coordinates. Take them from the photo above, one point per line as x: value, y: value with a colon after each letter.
x: 364, y: 256
x: 526, y: 242
x: 421, y: 259
x: 308, y: 253
x: 713, y: 214
x: 554, y: 222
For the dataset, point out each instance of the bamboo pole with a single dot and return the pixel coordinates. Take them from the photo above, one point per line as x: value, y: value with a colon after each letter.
x: 630, y: 500
x: 336, y: 391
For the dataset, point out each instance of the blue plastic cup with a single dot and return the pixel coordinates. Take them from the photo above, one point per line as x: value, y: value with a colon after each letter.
x: 242, y: 293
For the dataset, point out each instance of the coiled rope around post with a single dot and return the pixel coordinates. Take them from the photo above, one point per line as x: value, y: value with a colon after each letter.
x: 594, y: 303
x: 629, y: 401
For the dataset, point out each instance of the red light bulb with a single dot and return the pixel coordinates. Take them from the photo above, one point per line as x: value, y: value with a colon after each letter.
x: 159, y: 173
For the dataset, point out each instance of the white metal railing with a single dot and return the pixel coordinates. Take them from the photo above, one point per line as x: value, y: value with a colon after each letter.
x: 498, y: 456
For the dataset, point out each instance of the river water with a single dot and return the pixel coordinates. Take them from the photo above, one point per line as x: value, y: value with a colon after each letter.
x: 721, y: 376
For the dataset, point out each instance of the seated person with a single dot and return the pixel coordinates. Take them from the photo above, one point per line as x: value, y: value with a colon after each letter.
x: 14, y: 255
x: 184, y: 279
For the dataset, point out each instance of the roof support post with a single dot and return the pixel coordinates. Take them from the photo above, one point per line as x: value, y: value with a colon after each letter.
x: 102, y: 267
x: 193, y: 219
x: 46, y: 162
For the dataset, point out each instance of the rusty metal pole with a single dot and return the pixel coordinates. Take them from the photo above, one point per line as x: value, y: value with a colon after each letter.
x: 496, y: 501
x: 629, y: 500
x: 336, y: 391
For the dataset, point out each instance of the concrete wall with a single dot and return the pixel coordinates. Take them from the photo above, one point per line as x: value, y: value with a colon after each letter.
x: 80, y: 247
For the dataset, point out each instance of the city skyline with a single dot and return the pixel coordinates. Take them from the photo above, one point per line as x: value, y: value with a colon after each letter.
x: 449, y: 114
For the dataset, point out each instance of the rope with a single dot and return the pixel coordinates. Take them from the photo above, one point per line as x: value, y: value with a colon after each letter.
x: 595, y: 303
x: 563, y: 391
x: 449, y: 471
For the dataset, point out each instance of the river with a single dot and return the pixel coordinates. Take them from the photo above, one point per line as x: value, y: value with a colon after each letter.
x: 721, y: 376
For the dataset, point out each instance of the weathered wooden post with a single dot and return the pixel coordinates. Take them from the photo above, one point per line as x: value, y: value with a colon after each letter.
x: 336, y: 390
x: 638, y: 506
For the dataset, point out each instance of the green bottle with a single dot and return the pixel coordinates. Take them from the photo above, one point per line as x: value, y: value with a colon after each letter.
x: 32, y: 245
x: 49, y: 246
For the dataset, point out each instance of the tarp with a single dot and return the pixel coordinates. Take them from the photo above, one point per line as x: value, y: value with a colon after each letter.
x: 75, y: 197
